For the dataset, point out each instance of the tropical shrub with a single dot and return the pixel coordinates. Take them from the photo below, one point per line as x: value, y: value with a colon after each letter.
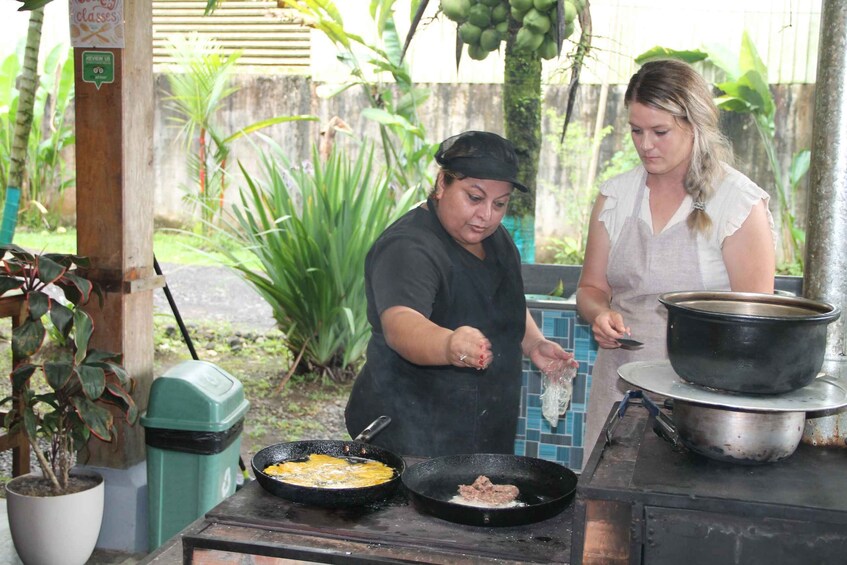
x: 576, y: 194
x: 200, y: 78
x: 47, y: 175
x: 393, y: 104
x: 200, y: 82
x: 310, y: 227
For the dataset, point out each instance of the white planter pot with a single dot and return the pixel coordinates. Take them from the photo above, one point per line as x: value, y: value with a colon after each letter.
x: 55, y: 529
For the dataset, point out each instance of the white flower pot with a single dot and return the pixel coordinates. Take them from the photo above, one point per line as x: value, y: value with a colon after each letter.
x: 55, y: 529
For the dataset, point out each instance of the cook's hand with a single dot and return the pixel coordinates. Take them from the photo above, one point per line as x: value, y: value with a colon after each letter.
x: 608, y: 327
x: 468, y: 347
x: 544, y: 353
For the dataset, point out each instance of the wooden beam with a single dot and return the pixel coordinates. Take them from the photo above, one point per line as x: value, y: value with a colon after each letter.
x: 114, y: 133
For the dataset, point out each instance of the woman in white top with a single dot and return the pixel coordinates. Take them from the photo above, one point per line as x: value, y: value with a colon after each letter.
x: 682, y: 220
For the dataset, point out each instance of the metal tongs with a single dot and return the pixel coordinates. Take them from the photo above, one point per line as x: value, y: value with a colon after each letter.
x: 662, y: 424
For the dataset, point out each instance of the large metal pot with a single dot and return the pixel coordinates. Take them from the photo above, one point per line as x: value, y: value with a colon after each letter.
x: 724, y: 433
x: 746, y: 342
x: 738, y: 436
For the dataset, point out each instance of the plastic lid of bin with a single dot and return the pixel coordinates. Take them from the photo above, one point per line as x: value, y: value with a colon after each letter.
x: 195, y: 396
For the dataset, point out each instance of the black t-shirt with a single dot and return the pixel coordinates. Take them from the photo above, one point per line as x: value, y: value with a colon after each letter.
x: 444, y: 409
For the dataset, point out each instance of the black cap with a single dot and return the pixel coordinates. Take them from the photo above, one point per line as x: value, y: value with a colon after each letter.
x: 480, y: 155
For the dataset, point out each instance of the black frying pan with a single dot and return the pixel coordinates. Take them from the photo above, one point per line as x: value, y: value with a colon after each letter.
x: 330, y: 497
x: 546, y: 487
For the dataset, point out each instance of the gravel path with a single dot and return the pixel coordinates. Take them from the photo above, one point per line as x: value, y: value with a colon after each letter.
x: 213, y: 294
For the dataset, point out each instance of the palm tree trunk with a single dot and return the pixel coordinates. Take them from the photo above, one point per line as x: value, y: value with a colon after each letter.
x: 28, y: 82
x: 522, y: 111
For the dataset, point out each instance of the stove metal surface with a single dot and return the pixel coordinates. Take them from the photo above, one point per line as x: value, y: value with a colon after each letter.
x: 395, y: 524
x: 825, y: 393
x: 680, y: 507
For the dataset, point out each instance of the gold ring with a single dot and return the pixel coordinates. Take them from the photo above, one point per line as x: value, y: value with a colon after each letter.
x: 462, y: 357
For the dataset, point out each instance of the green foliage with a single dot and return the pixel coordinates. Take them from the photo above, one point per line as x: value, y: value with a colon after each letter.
x: 575, y: 196
x: 47, y: 175
x: 200, y: 81
x: 80, y: 381
x: 483, y: 24
x: 394, y: 104
x: 310, y: 227
x: 689, y: 56
x: 746, y: 91
x: 796, y: 172
x: 29, y: 5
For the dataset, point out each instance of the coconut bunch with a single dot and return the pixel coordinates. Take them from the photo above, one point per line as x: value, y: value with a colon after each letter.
x: 483, y: 24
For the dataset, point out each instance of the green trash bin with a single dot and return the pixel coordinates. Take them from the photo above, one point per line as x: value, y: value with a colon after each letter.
x: 192, y: 428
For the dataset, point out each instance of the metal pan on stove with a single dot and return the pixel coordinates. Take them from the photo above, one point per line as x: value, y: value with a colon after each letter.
x: 330, y: 497
x: 546, y: 488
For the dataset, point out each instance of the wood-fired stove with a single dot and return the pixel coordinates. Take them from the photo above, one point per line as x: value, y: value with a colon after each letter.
x: 641, y: 501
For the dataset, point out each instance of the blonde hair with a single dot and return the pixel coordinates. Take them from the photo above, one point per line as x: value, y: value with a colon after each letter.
x: 675, y: 87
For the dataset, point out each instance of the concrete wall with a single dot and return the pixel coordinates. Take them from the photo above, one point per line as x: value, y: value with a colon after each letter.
x: 450, y: 109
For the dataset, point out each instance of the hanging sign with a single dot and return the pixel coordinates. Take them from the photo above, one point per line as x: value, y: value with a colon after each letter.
x: 98, y: 67
x: 97, y: 23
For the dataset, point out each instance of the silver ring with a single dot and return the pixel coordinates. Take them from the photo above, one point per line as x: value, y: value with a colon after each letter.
x: 462, y: 357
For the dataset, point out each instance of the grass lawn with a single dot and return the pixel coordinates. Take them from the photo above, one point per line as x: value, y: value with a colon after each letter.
x: 169, y: 246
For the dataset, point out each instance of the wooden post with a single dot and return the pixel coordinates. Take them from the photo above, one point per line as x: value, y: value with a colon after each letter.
x: 114, y: 156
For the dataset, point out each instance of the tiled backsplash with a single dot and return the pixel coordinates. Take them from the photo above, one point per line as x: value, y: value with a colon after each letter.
x: 535, y: 437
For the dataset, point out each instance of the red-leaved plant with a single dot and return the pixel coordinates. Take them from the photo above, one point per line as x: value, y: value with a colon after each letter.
x: 69, y: 406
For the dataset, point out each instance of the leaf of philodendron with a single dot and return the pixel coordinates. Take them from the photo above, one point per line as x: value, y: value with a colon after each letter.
x: 83, y: 328
x: 8, y: 283
x: 30, y: 423
x: 755, y: 88
x: 658, y: 52
x: 49, y: 271
x: 21, y: 374
x: 121, y: 398
x: 92, y: 379
x: 724, y: 59
x: 30, y: 5
x: 752, y: 90
x: 77, y: 289
x: 58, y: 374
x: 27, y: 339
x: 62, y: 317
x: 799, y: 167
x: 732, y: 104
x: 37, y: 304
x: 749, y: 59
x: 97, y: 418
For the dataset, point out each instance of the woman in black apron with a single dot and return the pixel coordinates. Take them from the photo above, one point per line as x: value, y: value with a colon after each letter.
x: 448, y: 315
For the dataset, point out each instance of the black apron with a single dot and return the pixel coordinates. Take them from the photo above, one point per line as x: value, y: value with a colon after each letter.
x: 446, y: 410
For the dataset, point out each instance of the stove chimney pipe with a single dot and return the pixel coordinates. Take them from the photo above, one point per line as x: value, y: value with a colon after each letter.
x: 826, y: 232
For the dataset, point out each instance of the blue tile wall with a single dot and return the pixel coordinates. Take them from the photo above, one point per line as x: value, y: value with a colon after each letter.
x: 535, y: 437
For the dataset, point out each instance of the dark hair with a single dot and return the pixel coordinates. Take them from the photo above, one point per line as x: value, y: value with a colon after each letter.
x: 675, y: 87
x: 478, y: 154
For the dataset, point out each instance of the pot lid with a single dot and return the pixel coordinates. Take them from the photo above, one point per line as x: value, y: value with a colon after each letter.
x: 824, y: 393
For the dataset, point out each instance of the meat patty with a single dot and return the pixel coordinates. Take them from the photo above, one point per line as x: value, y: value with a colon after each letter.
x: 484, y: 491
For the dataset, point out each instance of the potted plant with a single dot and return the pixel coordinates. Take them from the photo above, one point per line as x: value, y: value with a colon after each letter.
x: 60, y: 398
